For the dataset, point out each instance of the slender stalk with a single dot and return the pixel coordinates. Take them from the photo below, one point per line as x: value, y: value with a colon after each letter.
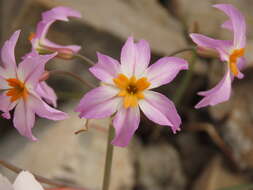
x: 39, y: 178
x: 73, y: 75
x: 108, y: 161
x: 185, y: 81
x: 182, y: 50
x: 86, y: 59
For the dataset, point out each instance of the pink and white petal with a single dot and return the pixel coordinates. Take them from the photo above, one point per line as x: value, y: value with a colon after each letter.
x: 47, y: 93
x: 60, y: 13
x: 125, y: 122
x: 142, y: 57
x: 238, y: 23
x: 106, y: 69
x: 3, y: 83
x: 41, y: 30
x: 100, y: 102
x: 128, y: 57
x: 222, y: 46
x: 5, y: 183
x: 26, y: 181
x: 24, y: 119
x: 47, y: 43
x: 165, y: 70
x: 8, y: 53
x: 227, y: 25
x: 31, y: 68
x: 6, y: 105
x: 49, y: 17
x: 241, y: 63
x: 159, y: 109
x: 220, y: 93
x: 44, y: 110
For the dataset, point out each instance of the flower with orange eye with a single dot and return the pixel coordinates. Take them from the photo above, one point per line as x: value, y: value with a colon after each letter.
x: 127, y: 88
x: 231, y: 52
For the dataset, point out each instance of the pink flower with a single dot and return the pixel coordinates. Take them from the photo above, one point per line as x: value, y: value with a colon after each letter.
x: 126, y: 88
x: 231, y: 52
x: 18, y: 86
x: 39, y: 41
x: 24, y: 181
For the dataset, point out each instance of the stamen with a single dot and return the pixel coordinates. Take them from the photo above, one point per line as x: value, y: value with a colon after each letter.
x: 233, y: 60
x: 131, y: 89
x: 17, y: 90
x: 31, y: 36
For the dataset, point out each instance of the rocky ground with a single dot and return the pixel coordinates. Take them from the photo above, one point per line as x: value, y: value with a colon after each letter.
x: 214, y: 149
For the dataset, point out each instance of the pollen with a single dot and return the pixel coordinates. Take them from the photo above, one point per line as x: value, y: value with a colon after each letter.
x: 31, y: 36
x: 17, y: 89
x: 131, y: 89
x: 233, y: 60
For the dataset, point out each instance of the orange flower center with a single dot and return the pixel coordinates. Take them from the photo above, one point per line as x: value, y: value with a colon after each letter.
x: 131, y: 89
x: 31, y: 36
x: 233, y: 60
x: 17, y: 90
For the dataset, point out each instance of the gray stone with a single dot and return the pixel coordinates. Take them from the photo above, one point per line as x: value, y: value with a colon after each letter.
x: 158, y: 168
x: 61, y: 155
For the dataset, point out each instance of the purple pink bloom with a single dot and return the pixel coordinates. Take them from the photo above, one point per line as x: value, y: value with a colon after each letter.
x: 127, y: 88
x: 19, y: 88
x: 39, y: 41
x: 24, y: 181
x: 230, y: 51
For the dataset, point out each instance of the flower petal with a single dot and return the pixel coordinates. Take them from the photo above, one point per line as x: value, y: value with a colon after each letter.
x: 128, y: 57
x: 44, y: 110
x: 8, y: 54
x: 220, y: 93
x: 227, y: 25
x: 106, y: 69
x: 142, y: 57
x: 5, y: 184
x: 238, y: 23
x: 100, y: 102
x: 125, y: 122
x: 24, y: 119
x: 159, y: 109
x: 26, y: 181
x: 6, y: 105
x: 32, y: 67
x: 52, y: 45
x: 47, y: 93
x: 165, y: 70
x: 57, y: 13
x: 3, y: 83
x: 222, y: 46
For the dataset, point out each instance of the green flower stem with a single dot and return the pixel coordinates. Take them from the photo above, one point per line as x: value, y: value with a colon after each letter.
x: 86, y: 59
x: 108, y: 161
x: 185, y: 81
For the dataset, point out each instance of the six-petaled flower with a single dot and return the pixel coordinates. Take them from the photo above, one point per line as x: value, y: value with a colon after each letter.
x: 231, y: 52
x: 127, y: 87
x: 39, y: 41
x: 18, y: 86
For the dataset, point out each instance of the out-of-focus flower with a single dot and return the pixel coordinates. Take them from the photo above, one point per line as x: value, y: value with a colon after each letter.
x: 18, y: 87
x: 39, y: 41
x: 126, y: 87
x: 24, y: 181
x: 231, y: 52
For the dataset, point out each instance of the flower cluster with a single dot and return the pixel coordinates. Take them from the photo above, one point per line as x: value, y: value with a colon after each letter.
x: 127, y: 85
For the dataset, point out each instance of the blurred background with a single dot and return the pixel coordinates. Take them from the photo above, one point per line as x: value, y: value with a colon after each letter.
x: 214, y: 149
